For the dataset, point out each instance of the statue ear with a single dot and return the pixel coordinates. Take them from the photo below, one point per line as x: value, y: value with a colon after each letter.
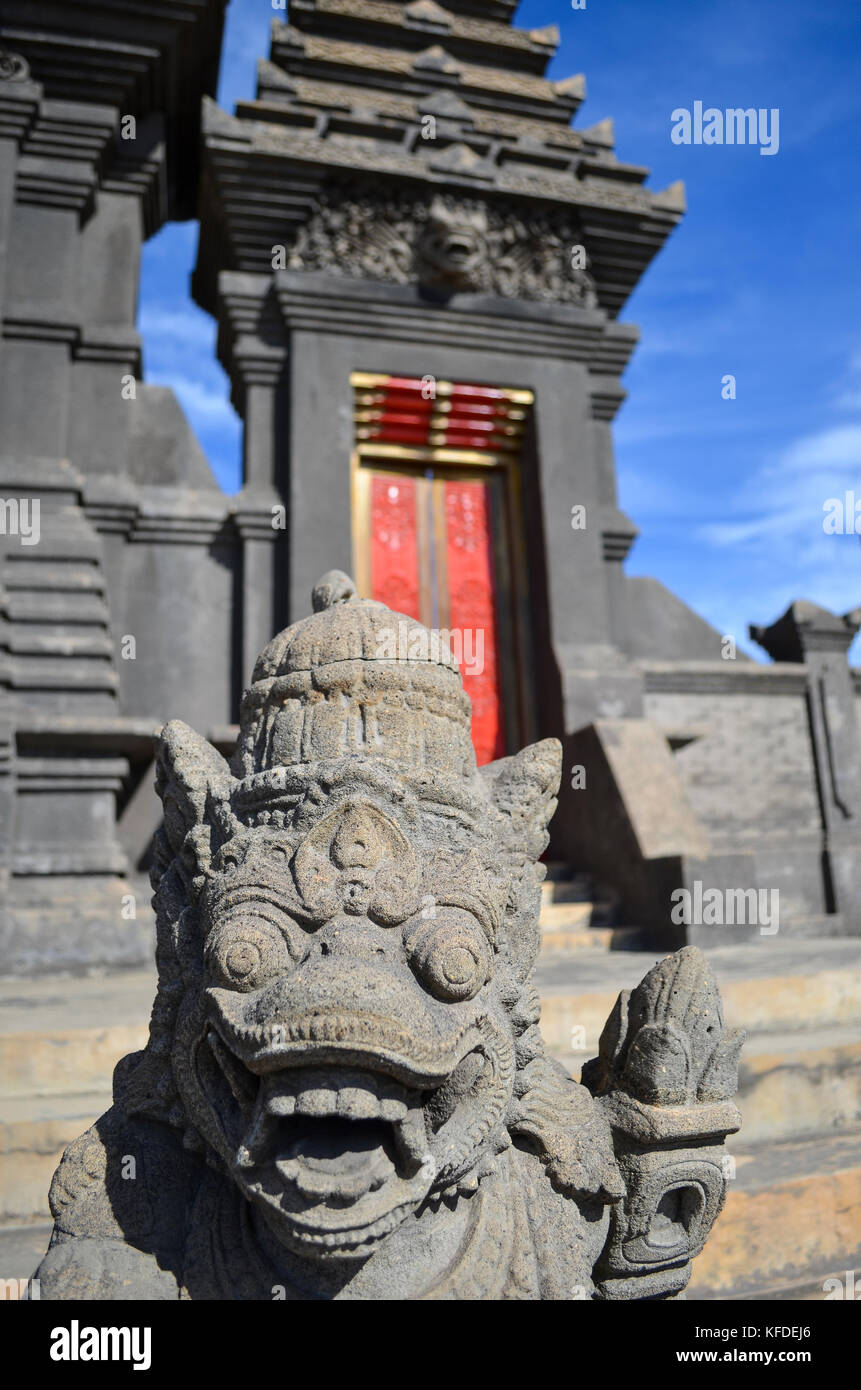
x: 194, y: 783
x: 523, y: 790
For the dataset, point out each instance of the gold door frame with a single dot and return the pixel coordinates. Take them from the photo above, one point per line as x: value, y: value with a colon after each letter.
x: 513, y: 583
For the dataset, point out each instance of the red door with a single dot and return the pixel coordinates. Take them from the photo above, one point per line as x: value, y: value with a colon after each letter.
x: 433, y: 557
x: 437, y: 531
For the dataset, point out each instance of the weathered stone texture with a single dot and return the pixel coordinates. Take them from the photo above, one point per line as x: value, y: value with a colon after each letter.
x: 751, y: 767
x: 346, y: 1093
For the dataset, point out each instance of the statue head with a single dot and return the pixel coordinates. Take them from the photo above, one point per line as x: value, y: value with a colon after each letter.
x: 347, y: 923
x: 452, y: 250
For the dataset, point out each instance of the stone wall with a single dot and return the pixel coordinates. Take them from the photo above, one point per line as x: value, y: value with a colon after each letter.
x: 95, y: 155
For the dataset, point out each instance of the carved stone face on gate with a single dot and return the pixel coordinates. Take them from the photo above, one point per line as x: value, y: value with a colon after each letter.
x: 452, y: 250
x: 448, y: 243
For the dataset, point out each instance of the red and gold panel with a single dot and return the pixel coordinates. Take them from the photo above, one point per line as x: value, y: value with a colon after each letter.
x: 394, y: 543
x: 435, y: 483
x: 472, y: 597
x: 423, y: 412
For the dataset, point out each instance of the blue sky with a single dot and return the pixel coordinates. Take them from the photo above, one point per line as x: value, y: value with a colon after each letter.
x: 760, y: 281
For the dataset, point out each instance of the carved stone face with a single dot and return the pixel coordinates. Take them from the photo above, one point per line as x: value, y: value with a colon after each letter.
x: 352, y: 1051
x: 452, y: 249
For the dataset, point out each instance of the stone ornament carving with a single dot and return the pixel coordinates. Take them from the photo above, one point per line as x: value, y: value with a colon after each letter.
x: 445, y: 243
x: 346, y: 1093
x: 13, y: 67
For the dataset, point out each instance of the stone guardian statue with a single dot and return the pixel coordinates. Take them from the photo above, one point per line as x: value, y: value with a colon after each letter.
x: 345, y: 1093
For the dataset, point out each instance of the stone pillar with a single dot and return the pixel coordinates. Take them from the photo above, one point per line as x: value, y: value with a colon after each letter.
x: 257, y: 362
x: 821, y: 640
x: 257, y: 521
x: 7, y: 827
x: 19, y: 103
x: 93, y: 158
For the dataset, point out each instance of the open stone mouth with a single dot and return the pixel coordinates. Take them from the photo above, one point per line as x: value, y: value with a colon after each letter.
x: 336, y: 1135
x: 459, y: 252
x: 337, y: 1154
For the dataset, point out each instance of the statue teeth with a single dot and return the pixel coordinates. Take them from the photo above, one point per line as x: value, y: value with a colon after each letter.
x: 393, y: 1110
x: 281, y: 1105
x: 317, y: 1100
x: 358, y: 1103
x: 412, y: 1135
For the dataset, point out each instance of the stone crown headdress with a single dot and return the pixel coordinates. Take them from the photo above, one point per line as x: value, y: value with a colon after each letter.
x: 355, y: 678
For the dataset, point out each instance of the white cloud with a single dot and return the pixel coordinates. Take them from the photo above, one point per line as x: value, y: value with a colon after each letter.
x: 771, y: 547
x: 162, y: 328
x: 204, y: 405
x: 787, y: 496
x: 830, y: 451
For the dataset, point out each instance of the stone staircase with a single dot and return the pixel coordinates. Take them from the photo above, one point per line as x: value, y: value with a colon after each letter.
x: 793, y: 1214
x: 60, y: 1039
x: 793, y: 1211
x: 578, y: 914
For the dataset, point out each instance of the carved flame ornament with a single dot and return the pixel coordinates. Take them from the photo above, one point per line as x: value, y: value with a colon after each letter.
x: 346, y: 1093
x: 445, y: 243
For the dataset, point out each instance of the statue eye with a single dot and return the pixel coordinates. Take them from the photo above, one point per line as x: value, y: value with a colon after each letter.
x: 451, y: 956
x: 246, y: 955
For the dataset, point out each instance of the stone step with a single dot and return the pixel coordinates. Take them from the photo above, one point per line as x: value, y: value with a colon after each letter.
x: 810, y: 1287
x: 565, y: 939
x: 824, y: 924
x: 579, y: 891
x: 60, y: 1040
x: 64, y: 576
x: 792, y: 1211
x: 34, y: 1131
x: 66, y: 1035
x: 21, y: 1251
x: 573, y: 913
x: 801, y: 1083
x: 791, y: 1085
x: 67, y: 1059
x: 766, y: 986
x: 576, y: 889
x: 573, y: 916
x: 577, y: 913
